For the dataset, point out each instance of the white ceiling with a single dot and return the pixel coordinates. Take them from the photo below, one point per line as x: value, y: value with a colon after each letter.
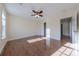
x: 25, y: 9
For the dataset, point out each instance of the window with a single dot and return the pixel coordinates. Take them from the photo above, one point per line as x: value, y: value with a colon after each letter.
x: 3, y: 26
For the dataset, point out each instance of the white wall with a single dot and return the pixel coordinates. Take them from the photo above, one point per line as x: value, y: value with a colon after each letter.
x: 53, y: 22
x: 52, y: 16
x: 19, y: 27
x: 0, y: 19
x: 78, y: 33
x: 0, y: 27
x: 65, y: 29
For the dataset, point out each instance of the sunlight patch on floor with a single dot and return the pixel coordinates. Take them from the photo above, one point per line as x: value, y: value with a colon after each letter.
x: 66, y: 50
x: 57, y: 53
x: 62, y: 49
x: 73, y: 46
x: 34, y: 40
x: 75, y: 53
x: 68, y: 44
x: 63, y: 55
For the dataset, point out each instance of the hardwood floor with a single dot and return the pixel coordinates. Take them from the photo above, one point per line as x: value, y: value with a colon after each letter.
x: 34, y: 46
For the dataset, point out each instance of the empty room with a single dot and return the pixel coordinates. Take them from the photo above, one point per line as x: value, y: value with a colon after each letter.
x: 39, y: 29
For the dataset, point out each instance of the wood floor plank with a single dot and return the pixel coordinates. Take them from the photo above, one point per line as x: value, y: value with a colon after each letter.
x: 22, y: 47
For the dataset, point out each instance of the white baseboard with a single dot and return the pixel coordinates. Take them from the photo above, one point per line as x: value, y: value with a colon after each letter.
x: 13, y: 38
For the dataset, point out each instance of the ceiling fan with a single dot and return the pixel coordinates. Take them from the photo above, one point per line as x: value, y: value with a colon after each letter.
x: 37, y: 14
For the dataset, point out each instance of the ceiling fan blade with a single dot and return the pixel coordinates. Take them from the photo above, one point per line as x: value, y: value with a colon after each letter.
x: 41, y: 15
x: 33, y: 15
x: 41, y: 11
x: 34, y: 11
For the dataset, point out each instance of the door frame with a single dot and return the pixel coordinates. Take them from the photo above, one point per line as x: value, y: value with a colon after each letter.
x: 68, y: 27
x: 45, y: 25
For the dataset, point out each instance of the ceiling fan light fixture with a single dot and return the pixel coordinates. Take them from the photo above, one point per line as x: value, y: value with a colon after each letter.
x: 36, y: 16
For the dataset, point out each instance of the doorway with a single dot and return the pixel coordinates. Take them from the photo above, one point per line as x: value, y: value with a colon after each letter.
x: 44, y: 29
x: 66, y: 29
x: 61, y: 29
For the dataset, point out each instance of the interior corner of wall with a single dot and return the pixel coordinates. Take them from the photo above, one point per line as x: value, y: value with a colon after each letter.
x: 2, y: 45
